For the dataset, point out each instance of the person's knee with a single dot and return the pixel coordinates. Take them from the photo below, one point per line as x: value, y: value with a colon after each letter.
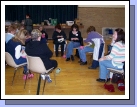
x: 101, y: 62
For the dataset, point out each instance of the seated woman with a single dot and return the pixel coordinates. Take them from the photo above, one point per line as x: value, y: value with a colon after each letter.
x: 97, y: 39
x: 44, y: 37
x: 59, y: 38
x: 10, y: 34
x: 116, y: 58
x: 89, y: 48
x: 14, y: 47
x: 36, y: 48
x: 75, y: 41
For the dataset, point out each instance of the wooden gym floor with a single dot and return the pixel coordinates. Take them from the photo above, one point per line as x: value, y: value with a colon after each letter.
x: 74, y: 79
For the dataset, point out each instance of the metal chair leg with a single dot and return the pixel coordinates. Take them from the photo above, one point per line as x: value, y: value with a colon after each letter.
x: 39, y: 82
x: 14, y: 75
x: 44, y: 86
x: 54, y: 77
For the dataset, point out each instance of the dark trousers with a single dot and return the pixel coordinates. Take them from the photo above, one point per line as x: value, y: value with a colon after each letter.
x: 62, y: 48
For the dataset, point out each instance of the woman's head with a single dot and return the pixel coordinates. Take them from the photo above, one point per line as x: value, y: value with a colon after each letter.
x: 74, y: 27
x: 12, y: 29
x: 21, y: 36
x: 91, y: 28
x: 58, y: 28
x: 21, y: 27
x: 36, y: 35
x: 40, y: 28
x: 119, y: 35
x: 27, y: 16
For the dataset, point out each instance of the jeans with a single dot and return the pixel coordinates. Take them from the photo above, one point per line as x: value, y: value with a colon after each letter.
x: 70, y: 47
x: 20, y: 61
x: 82, y: 52
x: 103, y: 65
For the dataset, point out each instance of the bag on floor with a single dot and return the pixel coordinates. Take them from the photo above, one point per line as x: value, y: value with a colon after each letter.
x: 116, y: 77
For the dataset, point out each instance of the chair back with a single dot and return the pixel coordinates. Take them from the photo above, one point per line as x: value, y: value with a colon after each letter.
x: 35, y: 64
x: 9, y: 60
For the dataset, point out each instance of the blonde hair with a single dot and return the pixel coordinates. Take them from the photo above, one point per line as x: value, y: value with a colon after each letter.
x: 35, y: 34
x: 20, y: 36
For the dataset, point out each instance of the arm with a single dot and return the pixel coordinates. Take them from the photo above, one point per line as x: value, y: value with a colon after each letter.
x: 79, y: 36
x: 17, y: 52
x: 46, y: 35
x: 54, y: 36
x: 88, y: 39
x: 114, y: 51
x: 70, y: 35
x: 64, y: 35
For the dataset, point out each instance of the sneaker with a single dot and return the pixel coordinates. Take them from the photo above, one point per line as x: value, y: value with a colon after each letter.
x: 24, y: 72
x: 72, y: 57
x: 48, y: 78
x: 67, y: 59
x: 43, y: 76
x: 83, y: 63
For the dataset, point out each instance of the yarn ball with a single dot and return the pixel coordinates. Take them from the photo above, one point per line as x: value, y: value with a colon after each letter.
x: 58, y: 70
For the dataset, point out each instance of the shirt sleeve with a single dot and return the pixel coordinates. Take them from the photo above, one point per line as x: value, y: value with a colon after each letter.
x: 70, y: 35
x: 88, y: 39
x: 17, y: 52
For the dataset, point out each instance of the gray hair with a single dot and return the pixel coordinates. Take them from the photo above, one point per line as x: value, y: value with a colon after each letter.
x: 35, y: 34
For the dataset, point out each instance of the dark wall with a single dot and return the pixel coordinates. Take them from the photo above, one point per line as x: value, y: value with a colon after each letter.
x: 39, y: 13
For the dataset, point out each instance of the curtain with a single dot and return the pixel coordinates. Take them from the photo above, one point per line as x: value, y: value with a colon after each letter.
x: 39, y: 13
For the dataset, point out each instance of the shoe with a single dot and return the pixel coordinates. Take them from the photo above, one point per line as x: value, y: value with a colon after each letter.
x: 83, y: 63
x: 72, y: 57
x: 80, y: 61
x: 25, y: 77
x: 67, y: 59
x: 101, y: 80
x: 108, y: 79
x: 25, y: 72
x: 91, y: 67
x: 64, y: 56
x: 43, y: 76
x: 48, y: 78
x: 28, y: 76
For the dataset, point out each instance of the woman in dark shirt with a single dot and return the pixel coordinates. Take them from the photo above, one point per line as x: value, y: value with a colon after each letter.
x: 75, y: 41
x: 59, y: 38
x: 44, y: 37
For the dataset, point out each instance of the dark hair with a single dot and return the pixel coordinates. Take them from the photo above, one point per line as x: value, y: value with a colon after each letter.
x: 28, y: 15
x: 74, y: 26
x: 91, y: 28
x: 120, y: 35
x: 58, y: 27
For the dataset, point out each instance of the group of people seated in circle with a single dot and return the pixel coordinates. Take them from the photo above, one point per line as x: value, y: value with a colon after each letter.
x: 36, y: 45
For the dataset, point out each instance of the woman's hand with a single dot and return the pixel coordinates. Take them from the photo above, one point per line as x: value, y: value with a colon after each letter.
x: 101, y: 59
x: 72, y: 38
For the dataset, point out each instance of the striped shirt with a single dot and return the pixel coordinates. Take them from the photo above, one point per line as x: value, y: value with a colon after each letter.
x: 117, y: 54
